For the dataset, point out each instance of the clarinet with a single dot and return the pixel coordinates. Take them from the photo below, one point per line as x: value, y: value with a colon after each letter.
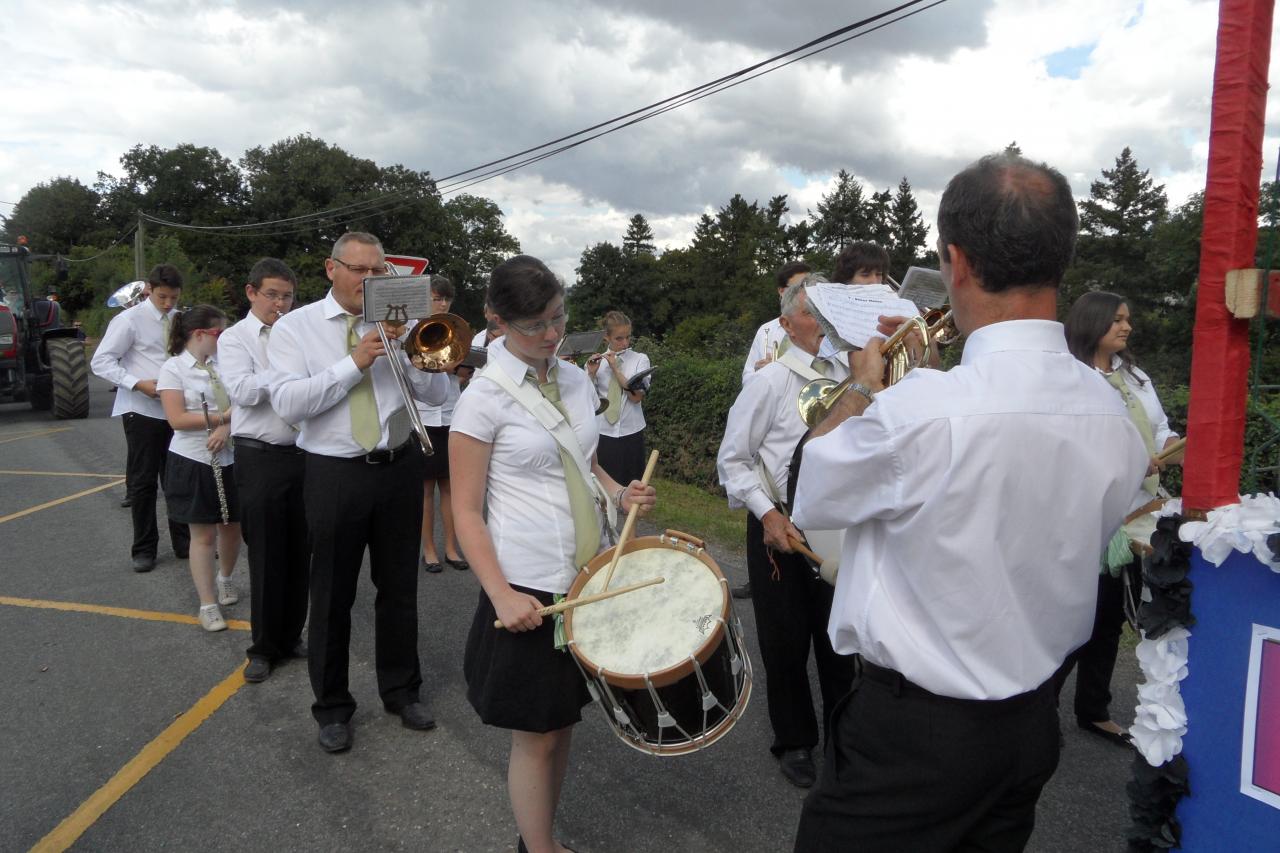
x: 215, y: 465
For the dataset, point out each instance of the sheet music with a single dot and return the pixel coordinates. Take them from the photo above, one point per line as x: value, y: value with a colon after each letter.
x: 849, y: 314
x: 924, y: 287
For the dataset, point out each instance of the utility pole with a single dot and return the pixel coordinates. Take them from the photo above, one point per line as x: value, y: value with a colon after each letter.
x: 139, y: 252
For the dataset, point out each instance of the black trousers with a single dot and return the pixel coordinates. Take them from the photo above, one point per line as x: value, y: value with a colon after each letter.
x: 907, y: 769
x: 1097, y: 657
x: 351, y: 506
x: 147, y: 440
x: 792, y: 607
x: 273, y: 522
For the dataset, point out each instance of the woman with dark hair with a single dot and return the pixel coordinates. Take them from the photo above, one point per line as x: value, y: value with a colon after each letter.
x: 1097, y: 328
x: 187, y: 381
x: 546, y: 496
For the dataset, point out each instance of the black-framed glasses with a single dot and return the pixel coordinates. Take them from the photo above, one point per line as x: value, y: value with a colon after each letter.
x: 362, y: 271
x: 274, y: 295
x: 539, y: 327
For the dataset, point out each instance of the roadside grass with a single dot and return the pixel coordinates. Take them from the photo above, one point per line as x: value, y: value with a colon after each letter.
x: 695, y: 511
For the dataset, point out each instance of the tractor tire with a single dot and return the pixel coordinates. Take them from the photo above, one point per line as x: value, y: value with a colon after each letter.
x: 70, y: 371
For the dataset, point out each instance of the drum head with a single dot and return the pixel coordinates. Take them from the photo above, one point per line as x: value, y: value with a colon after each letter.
x: 654, y: 631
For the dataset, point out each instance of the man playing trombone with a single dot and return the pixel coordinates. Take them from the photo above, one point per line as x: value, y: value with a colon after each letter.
x: 977, y: 502
x: 364, y: 473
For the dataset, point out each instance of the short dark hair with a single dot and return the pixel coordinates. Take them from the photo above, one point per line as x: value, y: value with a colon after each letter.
x: 183, y: 324
x: 1015, y: 220
x: 1088, y: 322
x: 165, y: 275
x: 441, y: 286
x: 861, y: 255
x: 271, y: 268
x: 784, y: 274
x: 522, y: 287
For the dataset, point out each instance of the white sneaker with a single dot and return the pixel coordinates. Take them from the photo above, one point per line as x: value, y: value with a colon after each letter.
x: 227, y: 593
x: 211, y: 618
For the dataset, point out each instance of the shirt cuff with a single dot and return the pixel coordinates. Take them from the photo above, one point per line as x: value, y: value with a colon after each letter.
x: 759, y: 504
x: 129, y: 381
x: 346, y: 373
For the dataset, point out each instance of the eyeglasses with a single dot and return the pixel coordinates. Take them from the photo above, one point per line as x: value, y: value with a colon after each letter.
x: 213, y: 333
x: 381, y: 269
x: 274, y: 296
x: 539, y: 327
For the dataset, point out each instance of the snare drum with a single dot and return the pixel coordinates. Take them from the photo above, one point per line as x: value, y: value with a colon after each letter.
x: 666, y: 663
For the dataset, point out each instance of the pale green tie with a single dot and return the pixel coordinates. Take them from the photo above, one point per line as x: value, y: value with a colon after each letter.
x: 164, y: 331
x: 781, y: 347
x: 1138, y: 415
x: 614, y: 411
x: 219, y: 390
x: 822, y: 366
x: 586, y: 524
x: 364, y: 408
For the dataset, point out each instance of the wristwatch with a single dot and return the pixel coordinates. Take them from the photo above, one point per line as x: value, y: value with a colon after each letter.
x: 859, y: 388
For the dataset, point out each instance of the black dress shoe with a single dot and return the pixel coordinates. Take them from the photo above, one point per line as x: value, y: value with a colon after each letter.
x: 256, y: 670
x: 743, y: 591
x: 416, y: 716
x: 144, y: 564
x: 797, y: 766
x: 186, y: 555
x: 126, y: 503
x: 335, y: 737
x: 433, y: 568
x: 1118, y: 738
x: 459, y: 564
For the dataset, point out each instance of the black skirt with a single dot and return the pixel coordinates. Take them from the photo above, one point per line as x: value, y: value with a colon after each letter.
x: 191, y: 494
x: 438, y: 461
x: 622, y: 458
x: 520, y: 680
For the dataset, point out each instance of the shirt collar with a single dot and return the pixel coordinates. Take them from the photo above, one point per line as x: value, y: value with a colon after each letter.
x: 252, y: 322
x: 154, y: 311
x: 186, y: 359
x: 516, y: 369
x: 332, y: 308
x: 1015, y: 335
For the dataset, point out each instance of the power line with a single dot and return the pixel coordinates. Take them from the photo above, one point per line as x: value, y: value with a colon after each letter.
x: 114, y: 243
x: 370, y: 207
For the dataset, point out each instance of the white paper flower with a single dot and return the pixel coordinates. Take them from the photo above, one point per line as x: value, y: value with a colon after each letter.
x: 1242, y: 527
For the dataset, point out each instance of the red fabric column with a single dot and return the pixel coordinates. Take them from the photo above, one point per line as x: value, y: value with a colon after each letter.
x: 1220, y: 353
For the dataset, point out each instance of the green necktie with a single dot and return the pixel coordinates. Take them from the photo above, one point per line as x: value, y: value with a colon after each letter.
x: 822, y: 366
x: 164, y: 330
x: 364, y: 409
x: 614, y: 411
x: 1138, y: 415
x: 219, y: 390
x: 781, y: 347
x: 586, y: 524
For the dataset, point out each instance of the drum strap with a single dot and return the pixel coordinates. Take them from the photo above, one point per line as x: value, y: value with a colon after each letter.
x: 551, y: 419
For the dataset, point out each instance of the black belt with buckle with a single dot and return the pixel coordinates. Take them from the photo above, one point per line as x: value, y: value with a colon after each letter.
x: 266, y: 447
x: 382, y: 457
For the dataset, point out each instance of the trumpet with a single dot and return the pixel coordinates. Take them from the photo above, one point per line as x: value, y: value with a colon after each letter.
x: 437, y: 344
x: 819, y: 397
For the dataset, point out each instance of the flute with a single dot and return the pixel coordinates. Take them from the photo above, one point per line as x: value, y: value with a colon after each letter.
x: 215, y: 465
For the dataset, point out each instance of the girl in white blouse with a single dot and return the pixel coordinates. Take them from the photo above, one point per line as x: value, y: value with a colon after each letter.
x: 529, y: 547
x: 188, y: 380
x: 1098, y: 328
x: 621, y: 450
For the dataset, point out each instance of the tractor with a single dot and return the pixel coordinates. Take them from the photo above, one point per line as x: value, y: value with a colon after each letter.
x: 41, y: 361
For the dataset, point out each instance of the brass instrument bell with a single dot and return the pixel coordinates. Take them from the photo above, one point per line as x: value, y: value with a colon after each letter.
x: 439, y: 343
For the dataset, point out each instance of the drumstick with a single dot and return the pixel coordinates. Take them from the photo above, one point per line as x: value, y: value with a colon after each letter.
x: 588, y: 599
x: 1171, y: 449
x: 803, y: 549
x: 631, y: 519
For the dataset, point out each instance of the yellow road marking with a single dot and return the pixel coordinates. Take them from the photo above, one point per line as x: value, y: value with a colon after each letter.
x: 69, y: 831
x: 4, y: 439
x: 125, y: 612
x: 62, y: 474
x: 21, y: 513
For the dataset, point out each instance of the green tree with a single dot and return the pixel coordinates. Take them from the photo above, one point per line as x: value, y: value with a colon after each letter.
x: 880, y: 222
x: 601, y: 285
x: 639, y: 237
x: 56, y: 216
x: 908, y: 231
x: 475, y: 241
x: 842, y: 215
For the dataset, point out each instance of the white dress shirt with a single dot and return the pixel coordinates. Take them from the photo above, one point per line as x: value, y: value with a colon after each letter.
x: 477, y: 340
x: 132, y: 349
x: 180, y: 373
x: 631, y: 420
x: 768, y: 337
x: 313, y: 373
x: 978, y: 503
x: 441, y: 415
x: 529, y: 518
x: 245, y: 373
x: 764, y: 422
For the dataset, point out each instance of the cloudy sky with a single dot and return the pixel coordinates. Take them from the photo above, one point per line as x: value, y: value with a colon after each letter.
x: 447, y: 85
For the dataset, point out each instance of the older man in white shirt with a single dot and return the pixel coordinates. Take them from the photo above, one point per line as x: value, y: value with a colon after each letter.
x: 269, y: 475
x: 792, y: 604
x: 134, y: 347
x: 978, y: 503
x: 363, y: 486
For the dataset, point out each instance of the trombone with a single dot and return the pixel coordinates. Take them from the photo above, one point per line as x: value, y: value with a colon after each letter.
x: 437, y: 344
x: 819, y: 397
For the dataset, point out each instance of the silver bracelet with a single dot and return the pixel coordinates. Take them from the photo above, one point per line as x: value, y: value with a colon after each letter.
x: 617, y: 499
x: 859, y: 388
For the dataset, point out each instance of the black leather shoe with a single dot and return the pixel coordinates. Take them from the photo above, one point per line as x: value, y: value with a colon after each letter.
x: 1118, y: 738
x: 144, y: 564
x: 797, y: 766
x: 335, y: 737
x: 256, y: 670
x: 743, y: 591
x: 433, y: 568
x: 459, y: 564
x: 416, y: 716
x: 126, y: 503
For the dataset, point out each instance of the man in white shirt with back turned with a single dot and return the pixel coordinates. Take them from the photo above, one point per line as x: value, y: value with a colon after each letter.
x: 977, y: 503
x: 363, y: 486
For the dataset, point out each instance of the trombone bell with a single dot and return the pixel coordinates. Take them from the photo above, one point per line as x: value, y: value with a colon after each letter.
x: 439, y: 343
x: 817, y: 398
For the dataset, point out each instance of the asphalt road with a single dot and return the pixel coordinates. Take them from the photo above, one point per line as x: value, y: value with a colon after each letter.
x: 85, y: 692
